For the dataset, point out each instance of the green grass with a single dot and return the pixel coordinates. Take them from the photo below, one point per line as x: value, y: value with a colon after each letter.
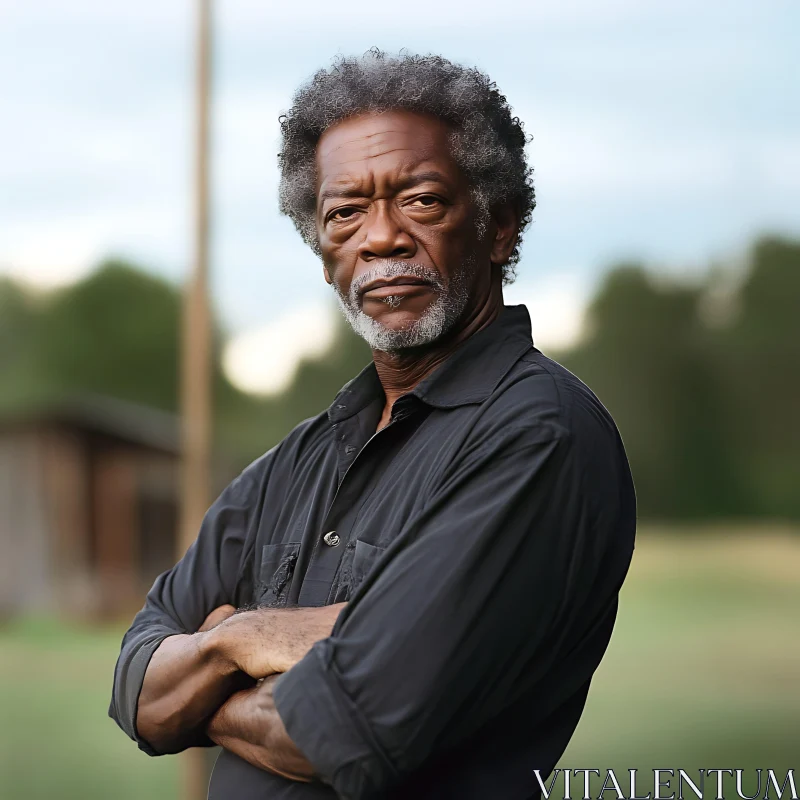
x: 703, y: 671
x: 56, y: 740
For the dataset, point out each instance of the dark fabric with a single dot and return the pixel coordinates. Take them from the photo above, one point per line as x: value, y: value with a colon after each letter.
x: 481, y: 540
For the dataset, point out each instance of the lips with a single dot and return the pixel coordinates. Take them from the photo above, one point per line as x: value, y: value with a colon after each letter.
x: 383, y: 287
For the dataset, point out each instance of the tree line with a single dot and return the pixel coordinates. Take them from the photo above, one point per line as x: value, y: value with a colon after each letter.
x: 702, y: 375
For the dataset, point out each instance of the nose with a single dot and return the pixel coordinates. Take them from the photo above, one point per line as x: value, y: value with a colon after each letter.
x: 384, y: 235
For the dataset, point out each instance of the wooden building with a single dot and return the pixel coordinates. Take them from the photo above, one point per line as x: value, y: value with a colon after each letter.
x: 89, y: 495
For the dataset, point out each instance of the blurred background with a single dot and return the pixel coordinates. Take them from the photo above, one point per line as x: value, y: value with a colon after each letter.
x: 662, y: 266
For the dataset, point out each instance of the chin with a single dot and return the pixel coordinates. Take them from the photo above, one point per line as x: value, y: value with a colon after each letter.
x: 393, y: 330
x: 397, y: 319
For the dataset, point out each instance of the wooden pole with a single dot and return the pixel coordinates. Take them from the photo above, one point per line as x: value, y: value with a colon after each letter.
x: 196, y: 357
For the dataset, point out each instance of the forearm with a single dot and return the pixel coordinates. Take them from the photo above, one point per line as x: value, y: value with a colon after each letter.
x: 186, y: 681
x: 190, y: 676
x: 249, y: 725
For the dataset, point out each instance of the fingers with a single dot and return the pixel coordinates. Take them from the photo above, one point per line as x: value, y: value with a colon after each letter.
x: 216, y: 616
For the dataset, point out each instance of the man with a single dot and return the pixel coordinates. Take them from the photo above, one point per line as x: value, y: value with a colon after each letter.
x: 432, y: 565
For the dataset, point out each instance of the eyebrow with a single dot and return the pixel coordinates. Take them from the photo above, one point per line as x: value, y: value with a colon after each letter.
x: 406, y: 183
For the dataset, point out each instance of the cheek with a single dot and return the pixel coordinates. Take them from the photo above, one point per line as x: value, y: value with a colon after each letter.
x: 339, y: 265
x: 445, y: 245
x: 455, y: 230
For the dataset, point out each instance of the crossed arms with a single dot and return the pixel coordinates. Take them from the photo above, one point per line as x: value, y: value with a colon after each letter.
x: 477, y: 599
x: 211, y: 682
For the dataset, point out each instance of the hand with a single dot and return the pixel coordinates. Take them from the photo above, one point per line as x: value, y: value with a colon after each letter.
x: 216, y: 616
x: 249, y: 725
x: 266, y: 641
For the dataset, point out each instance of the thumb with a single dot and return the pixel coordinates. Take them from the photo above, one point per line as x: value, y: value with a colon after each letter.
x: 216, y: 616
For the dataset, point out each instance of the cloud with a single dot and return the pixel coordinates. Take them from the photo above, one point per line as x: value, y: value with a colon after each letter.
x: 264, y: 361
x: 557, y: 305
x: 58, y: 258
x: 592, y: 154
x: 58, y: 249
x: 779, y: 159
x: 91, y: 12
x: 649, y: 138
x: 465, y: 13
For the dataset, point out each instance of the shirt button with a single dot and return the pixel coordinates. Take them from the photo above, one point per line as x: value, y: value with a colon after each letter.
x: 331, y: 539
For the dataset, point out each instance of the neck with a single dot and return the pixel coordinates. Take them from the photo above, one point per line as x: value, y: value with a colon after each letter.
x: 400, y: 373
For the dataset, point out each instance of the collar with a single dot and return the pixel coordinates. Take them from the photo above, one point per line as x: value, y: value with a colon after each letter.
x: 469, y: 375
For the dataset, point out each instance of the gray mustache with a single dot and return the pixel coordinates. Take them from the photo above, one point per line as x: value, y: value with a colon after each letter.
x: 387, y: 269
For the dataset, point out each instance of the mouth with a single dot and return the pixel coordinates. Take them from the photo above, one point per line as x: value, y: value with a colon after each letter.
x: 401, y: 286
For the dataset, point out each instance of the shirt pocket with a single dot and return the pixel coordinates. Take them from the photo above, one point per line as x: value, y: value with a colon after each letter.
x: 364, y: 559
x: 275, y: 576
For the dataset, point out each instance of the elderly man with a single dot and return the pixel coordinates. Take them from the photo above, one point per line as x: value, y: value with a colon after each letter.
x: 427, y: 573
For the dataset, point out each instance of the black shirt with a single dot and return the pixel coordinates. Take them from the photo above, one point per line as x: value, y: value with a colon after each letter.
x: 481, y: 539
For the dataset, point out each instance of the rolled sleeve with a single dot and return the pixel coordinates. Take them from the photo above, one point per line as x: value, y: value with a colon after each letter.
x: 469, y: 608
x: 180, y: 599
x: 329, y: 728
x: 129, y: 678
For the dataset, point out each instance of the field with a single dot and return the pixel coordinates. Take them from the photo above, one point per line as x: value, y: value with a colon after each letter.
x: 703, y: 671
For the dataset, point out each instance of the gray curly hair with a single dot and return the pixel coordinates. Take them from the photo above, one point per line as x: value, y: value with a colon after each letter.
x: 488, y: 142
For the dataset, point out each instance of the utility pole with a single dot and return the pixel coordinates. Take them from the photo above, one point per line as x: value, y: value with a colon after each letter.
x: 196, y: 358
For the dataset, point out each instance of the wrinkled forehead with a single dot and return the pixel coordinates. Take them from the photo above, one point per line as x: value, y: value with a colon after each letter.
x: 383, y: 143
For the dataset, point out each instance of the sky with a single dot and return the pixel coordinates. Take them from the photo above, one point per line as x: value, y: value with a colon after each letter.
x: 667, y: 132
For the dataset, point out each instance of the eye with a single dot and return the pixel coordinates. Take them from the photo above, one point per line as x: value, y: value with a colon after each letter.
x: 425, y: 201
x: 342, y: 214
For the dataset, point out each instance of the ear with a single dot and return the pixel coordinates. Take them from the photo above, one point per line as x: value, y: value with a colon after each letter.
x: 505, y: 233
x: 327, y: 275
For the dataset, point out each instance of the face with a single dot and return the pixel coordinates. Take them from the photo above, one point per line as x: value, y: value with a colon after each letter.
x: 398, y: 229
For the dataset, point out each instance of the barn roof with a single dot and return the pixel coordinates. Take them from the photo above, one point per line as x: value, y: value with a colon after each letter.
x: 120, y: 419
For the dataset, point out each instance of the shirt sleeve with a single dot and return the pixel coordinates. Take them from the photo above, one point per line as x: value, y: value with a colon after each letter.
x: 467, y: 609
x: 181, y: 598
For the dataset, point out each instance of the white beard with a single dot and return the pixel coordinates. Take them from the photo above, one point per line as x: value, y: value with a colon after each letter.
x: 436, y: 320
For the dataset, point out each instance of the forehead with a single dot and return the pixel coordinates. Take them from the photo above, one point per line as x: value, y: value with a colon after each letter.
x: 387, y: 141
